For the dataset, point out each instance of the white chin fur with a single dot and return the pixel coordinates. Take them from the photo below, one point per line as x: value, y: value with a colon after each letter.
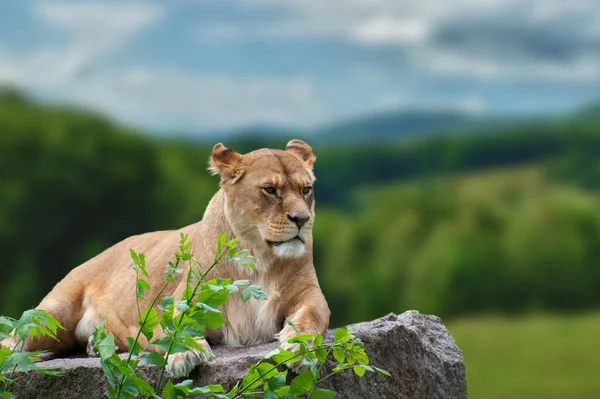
x: 294, y: 249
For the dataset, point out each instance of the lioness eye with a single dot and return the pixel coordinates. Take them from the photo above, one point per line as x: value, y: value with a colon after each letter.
x: 306, y: 190
x: 270, y: 190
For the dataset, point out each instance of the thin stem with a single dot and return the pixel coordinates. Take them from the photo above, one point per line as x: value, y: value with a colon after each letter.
x: 137, y: 337
x: 262, y: 375
x: 139, y: 332
x: 332, y: 373
x: 12, y: 372
x: 198, y: 284
x: 320, y: 367
x: 137, y: 299
x: 162, y: 369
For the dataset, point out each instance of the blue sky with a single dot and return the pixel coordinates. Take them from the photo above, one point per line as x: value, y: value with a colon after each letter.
x: 200, y: 66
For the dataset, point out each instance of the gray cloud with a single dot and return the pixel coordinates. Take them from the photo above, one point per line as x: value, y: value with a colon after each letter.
x: 550, y: 35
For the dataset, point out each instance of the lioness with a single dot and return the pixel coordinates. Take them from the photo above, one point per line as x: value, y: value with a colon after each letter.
x: 266, y: 201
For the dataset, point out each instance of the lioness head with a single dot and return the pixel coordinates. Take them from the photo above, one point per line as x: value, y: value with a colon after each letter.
x: 269, y: 196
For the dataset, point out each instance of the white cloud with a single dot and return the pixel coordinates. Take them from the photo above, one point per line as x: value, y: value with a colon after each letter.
x: 390, y: 30
x: 184, y: 101
x: 443, y: 63
x: 471, y: 104
x: 164, y: 99
x: 95, y: 31
x: 170, y: 100
x: 9, y: 73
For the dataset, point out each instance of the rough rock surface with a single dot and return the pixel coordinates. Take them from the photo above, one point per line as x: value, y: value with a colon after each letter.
x: 417, y: 350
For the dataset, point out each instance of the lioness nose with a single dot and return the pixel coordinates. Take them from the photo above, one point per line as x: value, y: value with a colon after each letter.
x: 299, y: 219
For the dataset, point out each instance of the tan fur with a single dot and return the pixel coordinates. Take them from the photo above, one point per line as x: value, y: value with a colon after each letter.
x: 105, y: 285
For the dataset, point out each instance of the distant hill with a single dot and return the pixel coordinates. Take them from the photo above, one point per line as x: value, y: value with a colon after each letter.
x: 393, y: 125
x: 591, y: 111
x: 388, y: 126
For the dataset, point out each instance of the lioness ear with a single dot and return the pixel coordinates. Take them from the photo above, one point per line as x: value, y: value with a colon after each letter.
x: 302, y: 151
x: 226, y: 162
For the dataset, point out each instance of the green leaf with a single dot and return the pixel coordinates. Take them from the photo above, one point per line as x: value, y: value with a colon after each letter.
x: 6, y: 324
x: 270, y: 395
x: 148, y: 322
x: 246, y: 294
x: 359, y: 371
x: 283, y: 356
x: 175, y: 342
x: 339, y: 355
x: 106, y: 347
x: 276, y: 382
x: 169, y: 391
x: 302, y: 383
x: 153, y: 358
x: 255, y: 291
x: 232, y: 289
x: 252, y: 379
x: 20, y: 359
x: 166, y: 302
x: 182, y: 306
x: 321, y: 354
x: 221, y: 242
x: 130, y: 388
x: 141, y: 287
x: 266, y: 370
x: 382, y: 371
x: 134, y: 256
x: 134, y: 347
x: 242, y: 283
x: 322, y: 394
x: 289, y: 322
x: 342, y: 335
x: 214, y: 320
x: 301, y: 338
x: 192, y: 330
x: 212, y: 294
x: 206, y: 389
x: 318, y: 339
x: 248, y: 262
x: 35, y: 323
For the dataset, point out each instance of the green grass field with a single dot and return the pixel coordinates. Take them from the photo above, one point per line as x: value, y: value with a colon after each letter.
x: 531, y: 357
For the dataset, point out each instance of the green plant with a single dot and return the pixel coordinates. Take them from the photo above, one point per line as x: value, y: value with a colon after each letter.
x: 198, y: 309
x: 33, y: 324
x: 266, y: 380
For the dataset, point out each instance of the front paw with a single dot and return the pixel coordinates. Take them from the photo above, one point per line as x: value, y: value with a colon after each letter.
x: 301, y: 365
x: 181, y: 364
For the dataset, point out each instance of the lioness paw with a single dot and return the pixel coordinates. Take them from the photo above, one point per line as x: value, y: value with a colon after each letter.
x: 297, y: 367
x: 181, y: 364
x: 91, y: 347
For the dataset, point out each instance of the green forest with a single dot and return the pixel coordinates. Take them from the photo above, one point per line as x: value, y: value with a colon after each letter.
x: 499, y: 221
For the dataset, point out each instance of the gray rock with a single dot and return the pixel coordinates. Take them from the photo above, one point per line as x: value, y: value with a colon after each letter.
x: 417, y: 350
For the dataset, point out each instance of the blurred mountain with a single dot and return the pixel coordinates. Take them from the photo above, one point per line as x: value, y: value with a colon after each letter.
x: 387, y: 126
x: 591, y: 110
x: 249, y: 138
x: 393, y: 125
